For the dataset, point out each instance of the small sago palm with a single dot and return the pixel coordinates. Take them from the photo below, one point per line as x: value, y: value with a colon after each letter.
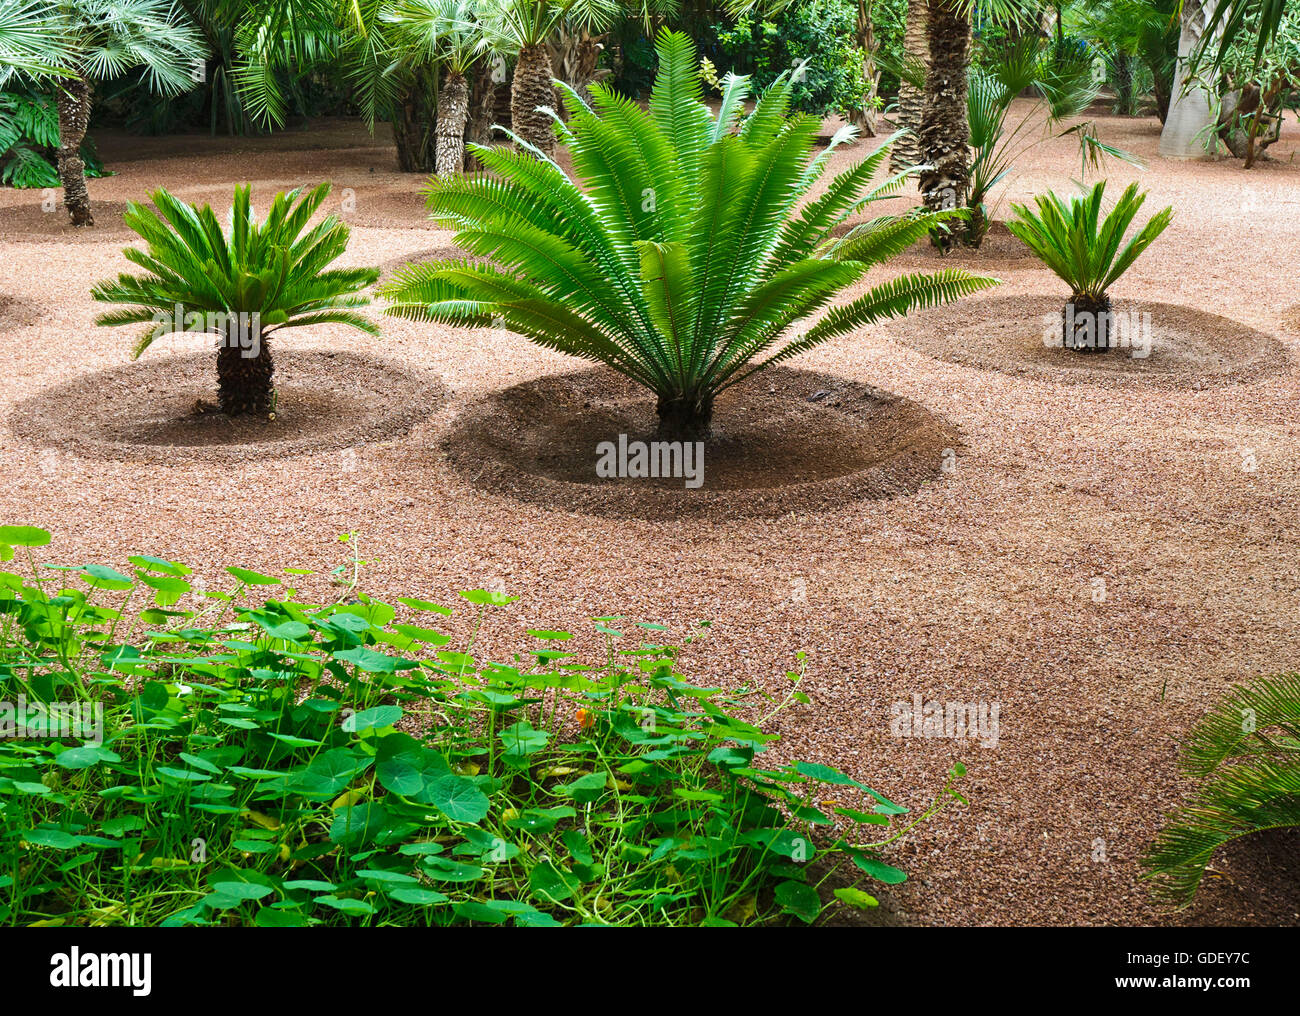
x: 242, y: 283
x: 687, y: 251
x: 1247, y: 752
x: 1084, y: 249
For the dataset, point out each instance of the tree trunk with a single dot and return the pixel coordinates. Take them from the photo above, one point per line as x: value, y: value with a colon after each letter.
x: 482, y: 107
x: 911, y: 100
x: 1189, y: 113
x: 1124, y: 97
x: 685, y: 418
x: 865, y: 116
x: 412, y: 129
x: 530, y: 90
x: 944, y: 128
x: 453, y: 111
x: 74, y: 101
x: 245, y: 384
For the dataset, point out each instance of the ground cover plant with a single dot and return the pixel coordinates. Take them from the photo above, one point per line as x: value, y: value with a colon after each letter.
x: 242, y: 283
x: 1083, y: 248
x: 251, y: 770
x: 680, y: 256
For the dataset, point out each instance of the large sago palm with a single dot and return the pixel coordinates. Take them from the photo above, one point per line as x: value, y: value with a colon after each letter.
x: 243, y: 283
x: 686, y: 250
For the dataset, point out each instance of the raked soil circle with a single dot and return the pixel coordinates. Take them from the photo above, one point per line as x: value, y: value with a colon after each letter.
x: 43, y: 220
x: 784, y: 440
x: 1184, y: 348
x: 148, y: 411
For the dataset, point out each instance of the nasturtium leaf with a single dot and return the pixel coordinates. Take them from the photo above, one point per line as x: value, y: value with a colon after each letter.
x: 371, y: 719
x: 85, y: 756
x: 551, y: 884
x: 24, y: 536
x: 417, y: 897
x: 856, y: 898
x: 800, y: 899
x: 253, y: 578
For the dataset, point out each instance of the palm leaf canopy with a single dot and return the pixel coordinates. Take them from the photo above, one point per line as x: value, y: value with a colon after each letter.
x: 687, y: 246
x: 274, y: 268
x: 1248, y: 752
x: 1081, y: 246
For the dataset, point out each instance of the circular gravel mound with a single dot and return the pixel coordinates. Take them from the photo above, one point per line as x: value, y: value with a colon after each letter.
x: 783, y: 441
x: 149, y: 411
x: 1184, y: 348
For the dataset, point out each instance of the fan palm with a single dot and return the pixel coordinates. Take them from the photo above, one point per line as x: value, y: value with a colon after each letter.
x: 522, y: 27
x: 682, y: 259
x: 33, y: 41
x: 1247, y: 750
x: 1083, y: 249
x: 106, y: 38
x: 243, y: 283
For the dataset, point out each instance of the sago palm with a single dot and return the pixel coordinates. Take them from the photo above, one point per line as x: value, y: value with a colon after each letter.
x: 1247, y: 752
x: 682, y: 255
x: 1084, y: 249
x: 243, y: 283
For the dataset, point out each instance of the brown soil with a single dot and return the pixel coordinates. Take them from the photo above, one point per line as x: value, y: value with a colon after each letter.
x: 161, y: 409
x: 977, y: 588
x: 1186, y: 348
x: 33, y: 223
x: 537, y: 442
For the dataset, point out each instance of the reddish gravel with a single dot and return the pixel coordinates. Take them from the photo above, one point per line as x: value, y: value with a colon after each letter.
x: 1178, y: 504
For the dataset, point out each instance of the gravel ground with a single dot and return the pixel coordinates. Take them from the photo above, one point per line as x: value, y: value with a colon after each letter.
x: 1100, y: 561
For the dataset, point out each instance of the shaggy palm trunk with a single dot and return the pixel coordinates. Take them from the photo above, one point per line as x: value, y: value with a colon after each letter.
x: 453, y: 111
x: 944, y: 128
x: 1086, y: 324
x: 530, y: 90
x: 685, y: 418
x: 911, y: 100
x: 1124, y: 96
x: 74, y: 117
x: 245, y: 383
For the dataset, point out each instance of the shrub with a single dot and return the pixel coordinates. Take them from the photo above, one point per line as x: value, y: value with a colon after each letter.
x: 29, y: 141
x: 1245, y: 752
x: 680, y: 262
x: 275, y: 762
x: 242, y: 284
x: 1083, y: 249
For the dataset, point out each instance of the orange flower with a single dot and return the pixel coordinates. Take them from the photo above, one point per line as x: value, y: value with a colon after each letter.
x: 586, y: 719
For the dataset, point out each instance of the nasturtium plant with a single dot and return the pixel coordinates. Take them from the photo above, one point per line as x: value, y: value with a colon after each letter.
x: 238, y: 760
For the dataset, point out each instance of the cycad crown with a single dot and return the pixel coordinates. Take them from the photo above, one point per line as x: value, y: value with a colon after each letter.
x: 206, y: 278
x: 684, y: 257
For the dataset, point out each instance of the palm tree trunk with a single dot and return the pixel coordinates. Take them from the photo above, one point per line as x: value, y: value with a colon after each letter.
x: 865, y: 117
x: 411, y: 130
x: 530, y: 90
x: 911, y: 100
x: 685, y: 418
x: 1189, y: 113
x: 482, y: 109
x: 453, y: 111
x: 944, y: 128
x: 245, y: 384
x: 74, y: 101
